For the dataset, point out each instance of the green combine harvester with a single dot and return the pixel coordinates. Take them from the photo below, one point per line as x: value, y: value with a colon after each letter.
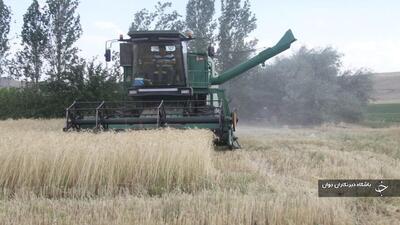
x: 167, y: 86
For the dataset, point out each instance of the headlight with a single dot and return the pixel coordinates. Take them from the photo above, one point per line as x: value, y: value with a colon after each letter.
x: 185, y: 92
x: 132, y: 92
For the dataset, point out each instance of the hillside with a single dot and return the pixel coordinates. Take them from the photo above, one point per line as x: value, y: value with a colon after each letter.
x: 387, y: 87
x: 6, y: 82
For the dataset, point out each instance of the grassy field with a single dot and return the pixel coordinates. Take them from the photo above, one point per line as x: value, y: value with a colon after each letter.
x: 272, y: 180
x: 385, y: 109
x: 384, y: 112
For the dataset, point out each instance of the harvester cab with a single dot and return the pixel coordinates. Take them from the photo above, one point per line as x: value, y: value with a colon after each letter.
x: 155, y: 65
x: 167, y: 86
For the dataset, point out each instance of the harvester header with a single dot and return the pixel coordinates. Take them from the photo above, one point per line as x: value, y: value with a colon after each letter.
x: 168, y: 86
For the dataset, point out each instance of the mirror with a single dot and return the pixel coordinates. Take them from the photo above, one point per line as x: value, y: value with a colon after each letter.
x: 125, y: 54
x: 107, y: 55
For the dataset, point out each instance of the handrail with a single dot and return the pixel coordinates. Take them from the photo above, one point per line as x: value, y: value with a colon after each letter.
x: 161, y: 114
x: 97, y: 113
x: 67, y: 119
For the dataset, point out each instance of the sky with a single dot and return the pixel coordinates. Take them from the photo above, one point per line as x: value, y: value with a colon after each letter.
x: 366, y: 32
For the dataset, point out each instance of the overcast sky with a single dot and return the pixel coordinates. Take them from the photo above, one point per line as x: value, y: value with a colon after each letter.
x: 367, y: 32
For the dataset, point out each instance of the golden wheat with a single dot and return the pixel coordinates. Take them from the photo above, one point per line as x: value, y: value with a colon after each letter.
x: 214, y: 208
x: 272, y: 180
x: 51, y: 163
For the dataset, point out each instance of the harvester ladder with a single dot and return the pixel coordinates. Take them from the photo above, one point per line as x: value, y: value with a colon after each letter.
x: 68, y: 123
x: 98, y: 120
x: 161, y: 115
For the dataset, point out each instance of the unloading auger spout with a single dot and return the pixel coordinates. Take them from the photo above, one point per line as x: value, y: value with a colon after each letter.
x: 260, y: 58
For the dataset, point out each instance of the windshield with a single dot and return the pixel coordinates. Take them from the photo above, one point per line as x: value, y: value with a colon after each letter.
x: 158, y: 64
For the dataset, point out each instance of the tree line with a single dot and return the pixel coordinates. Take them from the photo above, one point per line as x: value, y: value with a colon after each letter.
x: 307, y: 87
x: 49, y: 63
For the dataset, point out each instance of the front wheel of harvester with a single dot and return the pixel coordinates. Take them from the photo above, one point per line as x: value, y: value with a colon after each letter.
x: 230, y: 139
x: 232, y: 142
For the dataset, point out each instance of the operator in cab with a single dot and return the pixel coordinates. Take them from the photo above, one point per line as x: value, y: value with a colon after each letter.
x: 158, y: 65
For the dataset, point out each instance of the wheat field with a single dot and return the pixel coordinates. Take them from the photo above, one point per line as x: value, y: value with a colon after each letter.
x: 50, y: 163
x: 176, y: 177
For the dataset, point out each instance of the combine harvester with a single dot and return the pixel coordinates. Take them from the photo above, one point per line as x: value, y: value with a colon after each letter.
x: 167, y: 86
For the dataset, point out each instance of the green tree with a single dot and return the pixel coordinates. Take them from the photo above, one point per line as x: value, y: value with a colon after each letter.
x: 355, y: 92
x: 5, y: 18
x: 235, y: 24
x: 34, y: 37
x: 64, y: 30
x: 199, y: 19
x: 162, y: 18
x: 311, y: 86
x: 102, y: 83
x: 306, y: 88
